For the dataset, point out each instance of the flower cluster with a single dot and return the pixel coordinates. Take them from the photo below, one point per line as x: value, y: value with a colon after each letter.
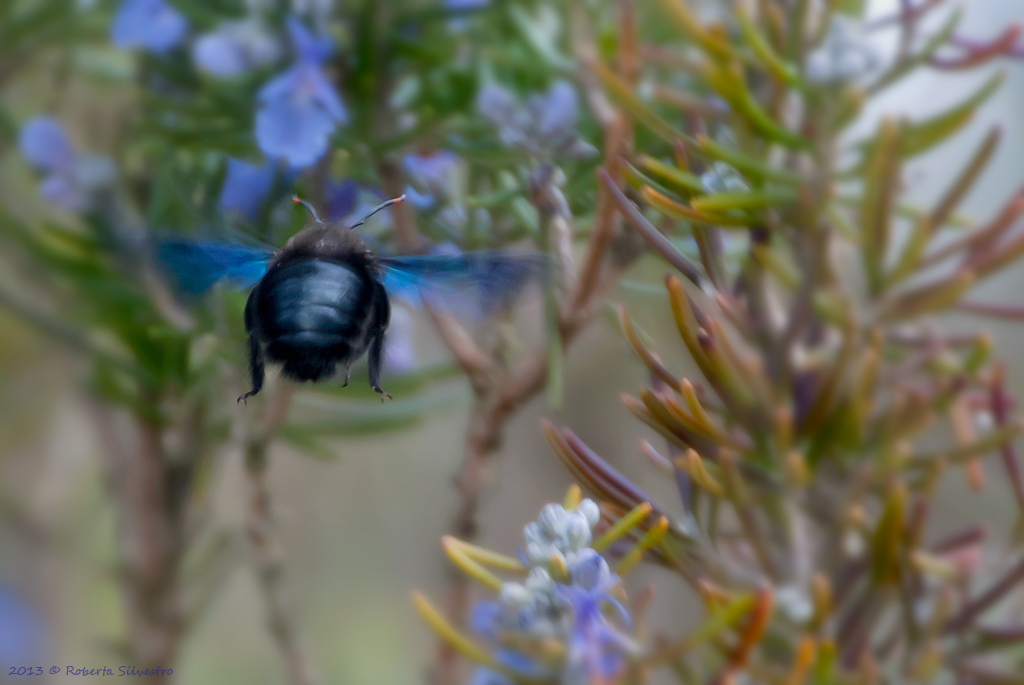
x: 71, y: 180
x: 436, y: 187
x: 299, y: 109
x: 568, y: 598
x: 544, y: 126
x: 572, y: 611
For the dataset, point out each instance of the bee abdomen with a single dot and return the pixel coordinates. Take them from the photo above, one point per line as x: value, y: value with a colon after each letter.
x: 313, y: 314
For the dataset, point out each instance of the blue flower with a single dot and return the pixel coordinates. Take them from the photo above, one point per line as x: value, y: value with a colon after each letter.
x: 596, y: 647
x: 485, y: 618
x: 22, y: 632
x: 465, y: 5
x: 544, y: 126
x: 61, y: 191
x: 432, y: 173
x: 45, y: 146
x: 555, y: 113
x: 485, y: 676
x: 421, y: 201
x: 245, y: 187
x: 70, y: 180
x: 149, y: 24
x: 299, y: 109
x: 235, y: 48
x: 573, y: 613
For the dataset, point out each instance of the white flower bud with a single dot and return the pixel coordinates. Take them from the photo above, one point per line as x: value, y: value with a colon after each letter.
x: 543, y: 627
x: 537, y: 553
x: 551, y: 520
x: 722, y: 178
x: 795, y: 602
x: 533, y: 534
x: 577, y: 531
x: 853, y: 544
x: 539, y: 581
x: 591, y: 512
x: 515, y: 595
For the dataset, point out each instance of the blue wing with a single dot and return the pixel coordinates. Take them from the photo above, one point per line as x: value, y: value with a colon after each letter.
x: 195, y: 265
x: 473, y: 284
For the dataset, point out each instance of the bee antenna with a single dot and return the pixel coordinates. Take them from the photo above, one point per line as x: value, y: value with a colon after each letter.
x: 310, y: 208
x: 382, y: 205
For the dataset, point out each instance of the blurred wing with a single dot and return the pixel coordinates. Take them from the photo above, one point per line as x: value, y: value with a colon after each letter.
x: 195, y: 265
x: 472, y: 284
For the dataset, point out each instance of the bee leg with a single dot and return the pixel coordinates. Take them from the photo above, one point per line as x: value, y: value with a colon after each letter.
x: 256, y: 368
x: 348, y: 375
x: 376, y: 361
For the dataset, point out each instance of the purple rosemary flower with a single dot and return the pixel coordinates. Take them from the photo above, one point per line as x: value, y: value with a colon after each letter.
x: 299, y: 109
x: 432, y: 173
x: 245, y: 187
x: 70, y: 180
x: 236, y: 47
x: 421, y: 201
x: 544, y: 126
x: 596, y: 648
x: 152, y: 25
x: 45, y: 146
x: 485, y: 676
x: 432, y: 178
x: 573, y: 613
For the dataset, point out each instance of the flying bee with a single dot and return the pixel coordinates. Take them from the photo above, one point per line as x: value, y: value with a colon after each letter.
x: 324, y: 300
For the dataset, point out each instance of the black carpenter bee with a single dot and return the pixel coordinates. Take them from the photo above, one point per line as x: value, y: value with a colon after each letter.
x: 324, y: 299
